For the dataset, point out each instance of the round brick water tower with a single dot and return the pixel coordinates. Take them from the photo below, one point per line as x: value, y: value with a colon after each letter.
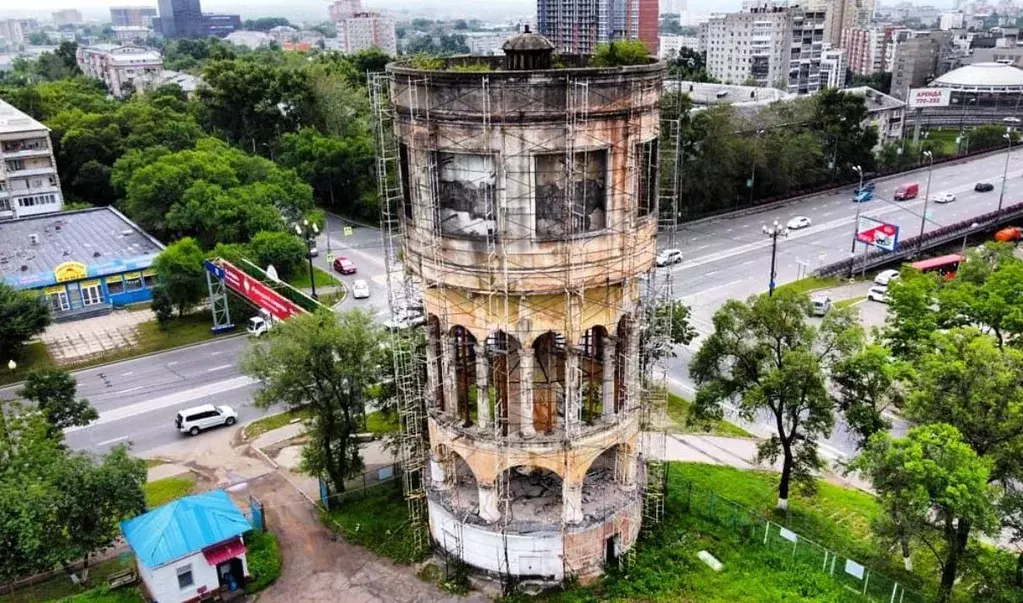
x: 529, y: 217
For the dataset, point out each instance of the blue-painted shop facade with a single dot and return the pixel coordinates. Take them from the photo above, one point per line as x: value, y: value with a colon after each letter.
x: 75, y: 288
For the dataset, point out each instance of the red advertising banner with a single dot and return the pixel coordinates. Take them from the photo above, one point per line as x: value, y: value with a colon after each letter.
x: 251, y: 289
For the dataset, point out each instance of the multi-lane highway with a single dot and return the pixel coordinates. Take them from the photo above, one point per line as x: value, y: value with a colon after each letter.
x: 724, y: 258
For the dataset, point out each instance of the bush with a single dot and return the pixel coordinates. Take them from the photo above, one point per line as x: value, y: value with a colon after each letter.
x: 282, y: 249
x: 620, y: 53
x: 264, y: 560
x: 162, y: 305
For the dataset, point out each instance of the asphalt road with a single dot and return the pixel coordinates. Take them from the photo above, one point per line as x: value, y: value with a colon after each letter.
x: 724, y: 258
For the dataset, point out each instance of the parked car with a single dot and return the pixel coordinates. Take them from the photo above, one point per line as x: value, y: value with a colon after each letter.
x: 360, y: 289
x: 943, y: 198
x: 821, y: 305
x: 406, y: 319
x: 195, y: 419
x: 885, y: 277
x: 261, y: 324
x: 798, y: 222
x: 863, y: 196
x: 878, y: 294
x: 344, y: 265
x: 984, y: 187
x: 669, y: 256
x: 907, y: 191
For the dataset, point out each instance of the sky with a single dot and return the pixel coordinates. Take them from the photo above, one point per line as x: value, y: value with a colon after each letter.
x: 315, y: 9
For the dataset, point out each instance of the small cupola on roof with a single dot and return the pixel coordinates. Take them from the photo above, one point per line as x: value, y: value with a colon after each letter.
x: 527, y: 51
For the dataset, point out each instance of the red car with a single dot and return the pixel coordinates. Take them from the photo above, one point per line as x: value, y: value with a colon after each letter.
x: 344, y: 266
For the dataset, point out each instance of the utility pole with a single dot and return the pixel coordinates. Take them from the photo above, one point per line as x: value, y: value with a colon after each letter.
x: 856, y: 221
x: 927, y: 199
x: 308, y: 233
x: 774, y: 232
x: 1005, y: 173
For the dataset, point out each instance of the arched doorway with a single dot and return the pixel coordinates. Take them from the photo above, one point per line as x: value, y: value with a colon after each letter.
x: 592, y: 352
x: 502, y: 352
x: 463, y: 360
x: 549, y: 355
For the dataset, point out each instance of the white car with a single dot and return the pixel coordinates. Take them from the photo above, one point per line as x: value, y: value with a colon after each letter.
x: 669, y: 256
x: 943, y: 198
x: 878, y: 294
x: 360, y: 289
x: 798, y: 222
x: 885, y: 277
x: 195, y: 419
x: 821, y: 305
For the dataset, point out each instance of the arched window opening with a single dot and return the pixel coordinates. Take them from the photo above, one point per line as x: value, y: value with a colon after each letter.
x: 463, y: 357
x: 549, y: 354
x: 591, y: 363
x: 435, y: 355
x: 503, y: 383
x: 622, y: 363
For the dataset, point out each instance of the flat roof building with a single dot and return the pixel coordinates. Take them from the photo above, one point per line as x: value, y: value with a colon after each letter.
x: 86, y: 262
x: 123, y: 68
x: 29, y: 184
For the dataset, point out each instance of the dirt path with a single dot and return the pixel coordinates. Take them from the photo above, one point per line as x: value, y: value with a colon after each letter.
x: 320, y: 568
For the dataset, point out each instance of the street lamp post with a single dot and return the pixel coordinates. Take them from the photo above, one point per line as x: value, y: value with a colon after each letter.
x: 753, y: 169
x: 856, y: 221
x: 962, y: 123
x: 774, y: 232
x: 1005, y: 173
x: 927, y: 199
x: 308, y: 233
x: 967, y: 234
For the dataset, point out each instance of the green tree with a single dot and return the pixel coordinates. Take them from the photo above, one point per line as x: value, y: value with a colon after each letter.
x: 765, y: 357
x: 282, y: 249
x: 621, y: 52
x: 23, y: 315
x: 162, y: 305
x: 340, y: 170
x: 931, y: 475
x: 838, y: 120
x: 180, y: 268
x: 54, y: 393
x: 323, y: 362
x: 868, y: 385
x: 252, y: 103
x: 911, y: 316
x: 266, y: 23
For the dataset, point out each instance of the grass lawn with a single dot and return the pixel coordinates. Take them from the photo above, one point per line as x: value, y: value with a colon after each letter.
x: 263, y: 556
x: 323, y: 279
x: 678, y: 412
x: 845, y: 303
x: 379, y: 423
x: 164, y: 490
x: 186, y: 330
x: 810, y: 284
x: 261, y: 426
x: 150, y: 463
x: 59, y: 588
x: 376, y: 521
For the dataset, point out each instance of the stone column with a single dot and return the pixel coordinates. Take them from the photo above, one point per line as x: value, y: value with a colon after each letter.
x: 607, y: 392
x: 573, y: 391
x: 488, y: 503
x: 630, y: 463
x: 629, y: 358
x: 526, y: 428
x: 482, y: 389
x: 439, y: 472
x: 572, y: 502
x: 447, y: 363
x: 432, y: 374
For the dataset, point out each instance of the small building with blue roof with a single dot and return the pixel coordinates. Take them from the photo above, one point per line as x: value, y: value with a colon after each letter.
x: 190, y: 548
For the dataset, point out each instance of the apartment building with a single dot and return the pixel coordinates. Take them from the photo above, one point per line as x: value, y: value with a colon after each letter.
x: 808, y: 51
x: 12, y: 33
x: 864, y: 49
x: 123, y: 68
x: 578, y: 26
x: 362, y: 31
x: 919, y: 60
x: 28, y: 172
x: 846, y: 14
x: 69, y: 16
x: 670, y: 46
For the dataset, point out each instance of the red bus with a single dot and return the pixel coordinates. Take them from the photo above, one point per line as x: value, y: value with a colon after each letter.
x: 946, y: 265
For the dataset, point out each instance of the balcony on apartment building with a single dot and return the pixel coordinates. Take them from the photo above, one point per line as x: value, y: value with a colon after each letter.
x: 21, y: 151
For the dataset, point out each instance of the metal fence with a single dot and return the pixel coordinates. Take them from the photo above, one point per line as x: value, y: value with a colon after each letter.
x: 358, y: 487
x: 794, y: 548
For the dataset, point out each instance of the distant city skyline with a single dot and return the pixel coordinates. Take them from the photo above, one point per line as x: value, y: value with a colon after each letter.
x: 317, y: 9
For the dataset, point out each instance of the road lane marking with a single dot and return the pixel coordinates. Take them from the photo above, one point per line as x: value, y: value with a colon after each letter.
x: 128, y: 374
x: 105, y: 442
x: 129, y: 390
x: 175, y: 399
x: 172, y: 363
x: 215, y: 353
x: 219, y: 368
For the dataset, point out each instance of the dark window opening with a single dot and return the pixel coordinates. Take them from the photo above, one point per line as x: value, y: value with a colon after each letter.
x: 648, y: 153
x: 406, y: 191
x: 465, y: 190
x: 571, y: 193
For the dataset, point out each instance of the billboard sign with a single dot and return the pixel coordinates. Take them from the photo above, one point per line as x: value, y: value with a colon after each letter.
x: 256, y: 292
x: 922, y: 98
x: 877, y: 233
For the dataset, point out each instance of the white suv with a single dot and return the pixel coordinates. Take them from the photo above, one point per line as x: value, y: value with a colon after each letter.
x: 194, y: 420
x: 668, y: 257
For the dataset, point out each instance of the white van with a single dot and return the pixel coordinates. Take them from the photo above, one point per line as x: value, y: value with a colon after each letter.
x: 193, y: 420
x: 261, y: 323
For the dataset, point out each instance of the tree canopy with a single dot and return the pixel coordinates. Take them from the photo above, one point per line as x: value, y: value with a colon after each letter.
x: 54, y: 393
x: 23, y: 315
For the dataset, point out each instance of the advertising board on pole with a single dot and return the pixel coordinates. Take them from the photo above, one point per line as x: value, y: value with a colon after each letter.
x: 922, y: 98
x: 256, y: 292
x: 877, y: 233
